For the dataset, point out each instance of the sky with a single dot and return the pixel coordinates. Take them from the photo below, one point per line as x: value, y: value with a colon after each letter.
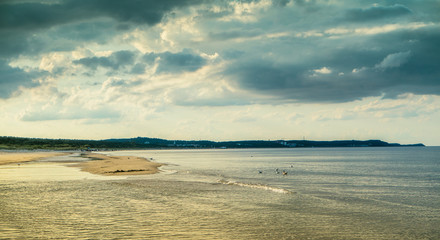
x: 221, y: 70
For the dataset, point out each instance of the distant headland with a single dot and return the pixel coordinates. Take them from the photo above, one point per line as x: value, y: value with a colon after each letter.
x: 19, y: 143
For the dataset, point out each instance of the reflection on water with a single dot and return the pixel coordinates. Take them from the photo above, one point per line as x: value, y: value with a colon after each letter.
x: 126, y: 209
x: 185, y: 206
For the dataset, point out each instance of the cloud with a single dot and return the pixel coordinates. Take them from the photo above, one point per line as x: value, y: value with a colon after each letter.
x: 74, y: 113
x: 205, y: 95
x: 377, y: 12
x: 280, y: 3
x: 94, y: 30
x: 232, y: 34
x: 291, y: 82
x: 323, y: 70
x: 334, y: 114
x: 394, y: 60
x: 113, y: 82
x: 165, y: 62
x: 406, y: 63
x: 287, y: 51
x: 179, y: 62
x: 405, y: 106
x: 168, y: 62
x: 246, y: 11
x: 138, y: 68
x: 24, y: 25
x: 11, y: 79
x: 34, y: 15
x: 115, y: 61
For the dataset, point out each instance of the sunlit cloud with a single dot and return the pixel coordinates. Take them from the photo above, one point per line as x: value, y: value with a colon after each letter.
x: 228, y: 68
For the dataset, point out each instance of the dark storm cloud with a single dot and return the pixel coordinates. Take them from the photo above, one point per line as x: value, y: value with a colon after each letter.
x: 185, y: 61
x: 377, y: 12
x: 233, y: 34
x: 13, y: 78
x: 12, y: 43
x: 281, y: 3
x: 420, y: 74
x: 138, y: 68
x: 20, y: 21
x: 97, y: 31
x: 426, y: 10
x: 365, y: 58
x: 115, y: 61
x: 65, y: 38
x: 32, y: 27
x: 33, y: 15
x: 179, y: 62
x: 295, y: 83
x: 122, y: 83
x: 407, y: 63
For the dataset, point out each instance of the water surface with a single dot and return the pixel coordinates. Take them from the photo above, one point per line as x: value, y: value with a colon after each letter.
x: 337, y: 193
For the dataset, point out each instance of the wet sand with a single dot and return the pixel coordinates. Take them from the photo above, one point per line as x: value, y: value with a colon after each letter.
x: 120, y: 165
x: 19, y: 157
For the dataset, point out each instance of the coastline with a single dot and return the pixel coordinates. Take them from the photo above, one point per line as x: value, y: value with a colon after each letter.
x: 100, y: 164
x: 20, y: 157
x: 117, y: 165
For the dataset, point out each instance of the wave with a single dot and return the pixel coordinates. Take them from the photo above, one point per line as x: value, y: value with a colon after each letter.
x: 258, y: 186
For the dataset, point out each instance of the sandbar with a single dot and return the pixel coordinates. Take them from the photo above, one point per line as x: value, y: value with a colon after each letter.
x: 117, y: 165
x: 19, y: 157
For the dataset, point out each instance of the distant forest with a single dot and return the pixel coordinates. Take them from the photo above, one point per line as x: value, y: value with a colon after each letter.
x: 18, y: 143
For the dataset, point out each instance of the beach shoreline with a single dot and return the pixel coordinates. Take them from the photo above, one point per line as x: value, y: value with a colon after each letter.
x: 7, y: 157
x: 98, y: 163
x: 102, y: 164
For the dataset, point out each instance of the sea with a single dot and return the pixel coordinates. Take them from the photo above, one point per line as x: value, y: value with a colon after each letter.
x: 289, y: 193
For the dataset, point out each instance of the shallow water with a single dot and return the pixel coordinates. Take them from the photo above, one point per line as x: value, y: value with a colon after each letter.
x: 380, y: 193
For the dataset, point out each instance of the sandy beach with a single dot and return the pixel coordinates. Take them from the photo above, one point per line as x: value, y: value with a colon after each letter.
x: 19, y: 157
x: 98, y: 164
x: 120, y: 165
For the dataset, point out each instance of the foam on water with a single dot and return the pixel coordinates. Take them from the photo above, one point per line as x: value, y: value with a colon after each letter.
x: 258, y: 186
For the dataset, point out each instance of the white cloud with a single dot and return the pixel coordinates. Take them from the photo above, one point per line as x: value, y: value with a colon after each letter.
x: 390, y: 27
x: 148, y: 39
x: 358, y: 70
x: 52, y: 61
x: 337, y: 31
x: 308, y: 34
x: 246, y: 11
x: 405, y: 106
x: 380, y: 29
x: 323, y: 70
x: 394, y: 60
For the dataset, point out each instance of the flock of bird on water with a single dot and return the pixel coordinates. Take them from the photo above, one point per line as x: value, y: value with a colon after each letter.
x: 277, y: 171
